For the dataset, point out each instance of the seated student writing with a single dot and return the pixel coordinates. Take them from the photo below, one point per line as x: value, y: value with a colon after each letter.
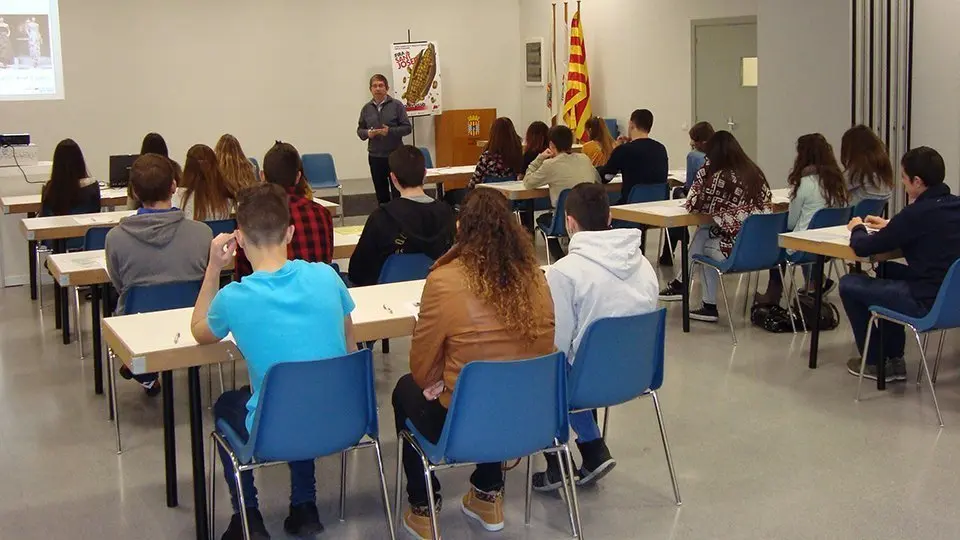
x: 486, y: 299
x: 642, y: 160
x: 730, y: 188
x: 156, y: 245
x: 285, y: 311
x: 558, y: 168
x: 927, y: 232
x: 815, y: 183
x: 604, y: 275
x: 411, y: 223
x: 312, y: 224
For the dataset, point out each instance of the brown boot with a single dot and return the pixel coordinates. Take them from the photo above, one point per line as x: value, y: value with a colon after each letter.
x: 416, y: 521
x: 486, y: 508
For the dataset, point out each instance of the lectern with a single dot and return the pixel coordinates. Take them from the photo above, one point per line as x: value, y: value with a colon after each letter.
x: 458, y: 133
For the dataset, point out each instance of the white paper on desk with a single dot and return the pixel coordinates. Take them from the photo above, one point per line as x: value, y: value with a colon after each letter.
x: 89, y: 262
x: 414, y: 309
x: 94, y: 220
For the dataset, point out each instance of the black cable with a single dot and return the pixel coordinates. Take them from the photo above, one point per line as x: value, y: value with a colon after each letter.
x: 13, y: 152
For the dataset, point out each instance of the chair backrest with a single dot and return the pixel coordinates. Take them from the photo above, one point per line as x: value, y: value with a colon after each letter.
x: 256, y: 167
x: 506, y: 410
x: 757, y: 247
x: 427, y: 160
x: 619, y: 359
x: 945, y: 312
x: 830, y: 217
x: 222, y: 226
x: 643, y: 193
x: 405, y: 267
x: 314, y: 409
x: 612, y: 127
x: 320, y: 170
x: 95, y: 238
x: 869, y: 207
x: 498, y: 179
x: 559, y: 226
x: 149, y: 298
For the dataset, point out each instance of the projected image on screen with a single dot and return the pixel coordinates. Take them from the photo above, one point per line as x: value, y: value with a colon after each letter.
x: 29, y: 50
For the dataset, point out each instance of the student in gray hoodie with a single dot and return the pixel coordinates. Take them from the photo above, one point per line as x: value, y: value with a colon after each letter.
x: 156, y: 245
x: 604, y: 275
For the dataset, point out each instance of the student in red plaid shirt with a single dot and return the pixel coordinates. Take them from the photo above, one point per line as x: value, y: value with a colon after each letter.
x: 312, y: 223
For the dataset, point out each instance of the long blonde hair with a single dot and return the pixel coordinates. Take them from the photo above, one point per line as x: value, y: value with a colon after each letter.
x: 597, y: 131
x: 237, y: 171
x: 498, y: 259
x: 204, y: 183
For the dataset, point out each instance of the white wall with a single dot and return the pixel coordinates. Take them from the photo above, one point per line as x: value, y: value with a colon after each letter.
x: 804, y: 87
x: 936, y: 83
x: 284, y: 69
x: 638, y: 52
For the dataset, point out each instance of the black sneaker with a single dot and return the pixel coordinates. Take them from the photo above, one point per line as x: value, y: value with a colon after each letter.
x: 125, y: 372
x: 673, y: 292
x: 597, y: 462
x: 551, y: 480
x: 152, y: 388
x: 895, y: 371
x: 304, y: 520
x: 707, y: 313
x: 258, y: 531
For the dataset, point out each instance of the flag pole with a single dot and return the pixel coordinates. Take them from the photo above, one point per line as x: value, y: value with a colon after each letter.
x: 566, y: 24
x: 553, y: 70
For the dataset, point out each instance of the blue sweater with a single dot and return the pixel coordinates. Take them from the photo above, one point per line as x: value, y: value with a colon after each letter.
x: 928, y: 234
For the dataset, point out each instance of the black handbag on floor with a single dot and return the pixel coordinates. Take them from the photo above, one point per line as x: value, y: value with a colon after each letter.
x: 829, y: 314
x: 773, y: 318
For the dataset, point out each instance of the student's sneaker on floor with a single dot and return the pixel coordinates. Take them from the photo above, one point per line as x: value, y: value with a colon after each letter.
x: 416, y: 521
x: 304, y: 520
x: 551, y: 479
x: 707, y: 313
x: 896, y: 369
x: 597, y: 462
x: 486, y: 508
x: 152, y: 388
x: 673, y: 292
x: 258, y: 531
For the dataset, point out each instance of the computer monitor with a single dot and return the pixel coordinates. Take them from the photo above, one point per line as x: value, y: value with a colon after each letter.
x: 120, y: 169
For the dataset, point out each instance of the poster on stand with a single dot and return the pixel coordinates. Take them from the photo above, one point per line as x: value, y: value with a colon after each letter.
x: 416, y: 77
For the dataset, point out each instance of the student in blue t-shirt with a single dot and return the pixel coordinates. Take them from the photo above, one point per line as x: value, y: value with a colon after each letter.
x: 286, y: 311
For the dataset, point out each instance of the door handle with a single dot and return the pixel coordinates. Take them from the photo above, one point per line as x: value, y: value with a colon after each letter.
x: 731, y: 124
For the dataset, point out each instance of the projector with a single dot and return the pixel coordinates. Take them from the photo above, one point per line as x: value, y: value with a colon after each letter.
x: 14, y: 139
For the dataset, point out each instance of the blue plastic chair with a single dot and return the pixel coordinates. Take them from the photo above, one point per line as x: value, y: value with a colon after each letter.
x: 321, y: 172
x: 621, y: 359
x: 500, y: 411
x: 644, y: 193
x: 558, y: 228
x: 95, y: 238
x: 405, y: 267
x: 427, y: 160
x: 756, y: 248
x: 869, y: 207
x: 296, y: 422
x: 943, y: 316
x: 147, y: 299
x: 219, y: 226
x: 612, y: 127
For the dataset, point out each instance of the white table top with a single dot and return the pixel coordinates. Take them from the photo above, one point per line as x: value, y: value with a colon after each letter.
x: 100, y: 219
x: 378, y: 307
x: 331, y: 207
x: 448, y: 171
x: 828, y: 235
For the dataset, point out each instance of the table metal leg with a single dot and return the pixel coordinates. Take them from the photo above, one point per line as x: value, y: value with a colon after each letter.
x: 881, y: 362
x: 97, y: 345
x: 105, y: 298
x: 32, y: 257
x: 817, y: 306
x: 685, y: 277
x: 57, y: 305
x: 62, y: 294
x: 169, y: 438
x: 196, y: 450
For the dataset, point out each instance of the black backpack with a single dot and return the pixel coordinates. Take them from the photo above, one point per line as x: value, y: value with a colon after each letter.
x: 829, y: 314
x: 773, y: 318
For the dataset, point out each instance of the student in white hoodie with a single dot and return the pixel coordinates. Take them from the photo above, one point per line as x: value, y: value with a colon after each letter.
x: 604, y: 275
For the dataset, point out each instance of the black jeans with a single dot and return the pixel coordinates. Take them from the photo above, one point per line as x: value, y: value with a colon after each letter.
x: 545, y: 221
x: 428, y: 417
x: 380, y: 172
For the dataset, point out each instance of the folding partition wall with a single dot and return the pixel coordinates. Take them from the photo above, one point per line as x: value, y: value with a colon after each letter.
x: 882, y: 72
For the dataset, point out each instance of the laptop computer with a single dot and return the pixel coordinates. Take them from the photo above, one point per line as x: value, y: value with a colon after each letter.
x: 120, y: 169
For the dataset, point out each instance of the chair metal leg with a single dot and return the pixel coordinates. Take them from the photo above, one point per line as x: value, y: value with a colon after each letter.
x: 933, y: 392
x: 578, y: 529
x: 666, y: 234
x: 212, y: 490
x: 936, y: 365
x: 76, y: 305
x: 39, y: 276
x: 546, y: 241
x: 726, y: 303
x: 383, y: 490
x: 926, y: 339
x: 666, y: 447
x: 396, y: 492
x: 866, y: 350
x: 606, y: 417
x: 796, y: 296
x: 528, y: 490
x: 431, y: 499
x: 343, y: 214
x: 783, y: 283
x: 113, y: 398
x: 243, y: 502
x: 343, y: 483
x: 567, y: 480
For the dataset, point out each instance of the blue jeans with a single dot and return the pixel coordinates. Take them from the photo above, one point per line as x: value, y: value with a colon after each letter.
x: 231, y: 407
x: 585, y: 426
x: 858, y: 292
x: 704, y: 243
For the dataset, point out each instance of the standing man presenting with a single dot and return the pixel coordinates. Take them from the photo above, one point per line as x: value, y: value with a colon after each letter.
x: 383, y: 124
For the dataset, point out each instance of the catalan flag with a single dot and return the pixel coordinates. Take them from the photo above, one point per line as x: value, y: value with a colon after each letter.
x: 576, y: 103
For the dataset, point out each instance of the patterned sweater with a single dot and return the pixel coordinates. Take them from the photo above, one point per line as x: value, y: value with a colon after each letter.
x: 723, y: 197
x: 491, y: 164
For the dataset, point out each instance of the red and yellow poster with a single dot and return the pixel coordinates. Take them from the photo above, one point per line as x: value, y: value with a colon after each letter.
x: 416, y: 77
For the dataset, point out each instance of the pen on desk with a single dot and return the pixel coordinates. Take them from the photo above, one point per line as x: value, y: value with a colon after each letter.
x: 176, y: 338
x: 390, y: 311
